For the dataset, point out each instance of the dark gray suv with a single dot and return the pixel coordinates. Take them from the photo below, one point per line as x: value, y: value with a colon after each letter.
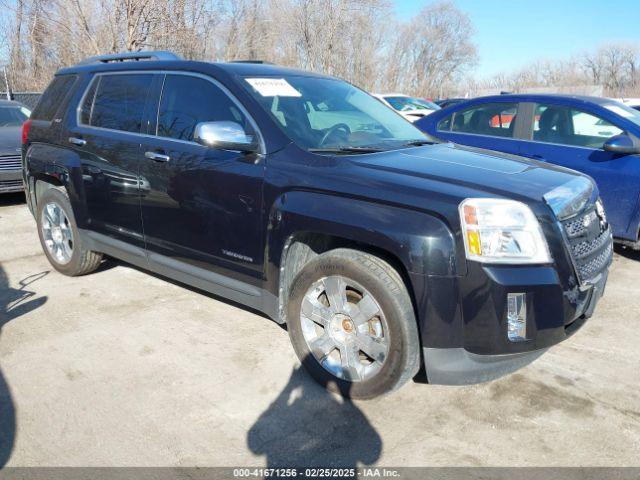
x: 12, y: 116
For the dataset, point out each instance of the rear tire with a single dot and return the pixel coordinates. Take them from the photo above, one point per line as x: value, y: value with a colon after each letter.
x: 60, y: 237
x: 352, y: 324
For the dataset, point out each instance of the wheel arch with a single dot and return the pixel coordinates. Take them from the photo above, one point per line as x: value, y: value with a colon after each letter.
x: 51, y: 166
x: 303, y: 225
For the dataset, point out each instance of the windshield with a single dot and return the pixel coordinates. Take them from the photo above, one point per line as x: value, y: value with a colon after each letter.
x: 323, y: 113
x: 13, y: 116
x: 624, y: 111
x: 405, y: 104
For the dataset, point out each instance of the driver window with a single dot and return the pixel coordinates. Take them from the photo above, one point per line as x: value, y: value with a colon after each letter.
x: 187, y: 101
x: 569, y: 126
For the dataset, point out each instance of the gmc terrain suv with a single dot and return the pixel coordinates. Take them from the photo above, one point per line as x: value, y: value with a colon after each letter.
x: 304, y: 197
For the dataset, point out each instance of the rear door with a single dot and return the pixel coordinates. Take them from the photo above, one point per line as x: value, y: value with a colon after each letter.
x: 487, y: 125
x: 202, y: 206
x: 106, y: 135
x: 573, y: 137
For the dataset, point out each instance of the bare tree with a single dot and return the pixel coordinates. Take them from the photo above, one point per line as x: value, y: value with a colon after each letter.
x: 433, y: 50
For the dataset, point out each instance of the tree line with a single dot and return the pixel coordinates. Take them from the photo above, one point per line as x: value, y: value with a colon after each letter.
x: 430, y: 55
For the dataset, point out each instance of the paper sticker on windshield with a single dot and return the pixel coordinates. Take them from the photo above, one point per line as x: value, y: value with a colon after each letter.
x: 619, y: 110
x: 273, y: 87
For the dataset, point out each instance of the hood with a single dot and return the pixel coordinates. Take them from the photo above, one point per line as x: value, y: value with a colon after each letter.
x: 10, y: 140
x: 417, y: 113
x: 479, y: 172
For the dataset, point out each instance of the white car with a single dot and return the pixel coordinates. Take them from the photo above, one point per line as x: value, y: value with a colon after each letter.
x: 411, y: 108
x: 630, y: 102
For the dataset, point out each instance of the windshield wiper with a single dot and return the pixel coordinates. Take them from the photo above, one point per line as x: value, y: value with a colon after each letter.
x: 346, y: 150
x: 418, y: 143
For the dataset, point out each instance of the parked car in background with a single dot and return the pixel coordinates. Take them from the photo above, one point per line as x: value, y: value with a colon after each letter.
x: 596, y: 136
x: 380, y: 250
x: 410, y: 108
x: 630, y: 102
x: 447, y: 102
x: 12, y: 116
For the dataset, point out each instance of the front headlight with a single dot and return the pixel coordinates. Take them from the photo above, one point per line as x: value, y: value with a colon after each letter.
x: 502, y: 231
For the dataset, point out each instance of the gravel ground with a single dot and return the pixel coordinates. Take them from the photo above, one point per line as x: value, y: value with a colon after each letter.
x: 122, y: 368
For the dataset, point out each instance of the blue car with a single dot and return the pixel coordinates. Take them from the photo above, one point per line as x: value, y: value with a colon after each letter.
x: 596, y: 136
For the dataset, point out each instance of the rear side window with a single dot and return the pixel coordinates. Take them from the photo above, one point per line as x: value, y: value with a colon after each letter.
x: 493, y: 119
x: 118, y: 102
x: 187, y: 101
x: 52, y: 97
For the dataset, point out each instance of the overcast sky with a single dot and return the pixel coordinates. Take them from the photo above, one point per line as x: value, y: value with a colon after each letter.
x: 511, y: 33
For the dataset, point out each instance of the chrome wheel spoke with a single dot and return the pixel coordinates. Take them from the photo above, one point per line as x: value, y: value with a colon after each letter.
x: 59, y: 252
x: 67, y: 236
x: 350, y: 361
x: 364, y: 310
x: 322, y: 346
x: 373, y: 347
x: 336, y: 291
x: 66, y: 250
x: 51, y: 214
x: 315, y: 311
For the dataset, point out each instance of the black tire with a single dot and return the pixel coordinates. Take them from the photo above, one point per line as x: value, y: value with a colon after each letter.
x: 83, y: 260
x: 383, y: 282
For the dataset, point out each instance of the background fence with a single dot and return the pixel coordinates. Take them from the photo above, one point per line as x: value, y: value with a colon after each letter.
x: 26, y: 98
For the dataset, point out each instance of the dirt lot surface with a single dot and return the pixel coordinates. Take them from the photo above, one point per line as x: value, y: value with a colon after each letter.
x: 122, y: 368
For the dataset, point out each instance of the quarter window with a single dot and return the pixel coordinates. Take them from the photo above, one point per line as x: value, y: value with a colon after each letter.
x: 53, y: 97
x: 444, y: 125
x: 87, y: 103
x: 569, y: 126
x: 496, y: 120
x: 187, y: 101
x: 119, y: 102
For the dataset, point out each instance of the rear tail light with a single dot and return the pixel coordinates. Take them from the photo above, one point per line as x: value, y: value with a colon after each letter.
x: 25, y: 131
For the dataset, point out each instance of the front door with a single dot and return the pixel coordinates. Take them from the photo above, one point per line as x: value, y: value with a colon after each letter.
x: 203, y: 208
x: 574, y: 138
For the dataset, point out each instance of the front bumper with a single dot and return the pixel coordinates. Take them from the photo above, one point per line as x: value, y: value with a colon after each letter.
x: 457, y: 366
x: 11, y: 181
x: 480, y: 350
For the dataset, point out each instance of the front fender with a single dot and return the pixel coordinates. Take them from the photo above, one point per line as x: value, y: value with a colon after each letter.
x: 423, y: 243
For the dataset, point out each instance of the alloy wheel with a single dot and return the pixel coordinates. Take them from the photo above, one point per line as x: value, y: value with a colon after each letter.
x: 344, y: 328
x: 57, y: 233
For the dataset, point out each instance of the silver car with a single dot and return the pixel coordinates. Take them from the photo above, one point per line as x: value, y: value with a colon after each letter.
x: 12, y: 116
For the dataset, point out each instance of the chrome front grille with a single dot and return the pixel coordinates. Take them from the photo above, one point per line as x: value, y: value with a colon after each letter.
x: 590, y: 243
x: 10, y: 163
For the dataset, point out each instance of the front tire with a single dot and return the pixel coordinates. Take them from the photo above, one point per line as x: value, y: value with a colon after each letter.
x: 60, y: 237
x: 352, y: 324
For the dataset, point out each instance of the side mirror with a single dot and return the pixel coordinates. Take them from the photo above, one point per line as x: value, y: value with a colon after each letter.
x: 225, y: 136
x: 623, y: 144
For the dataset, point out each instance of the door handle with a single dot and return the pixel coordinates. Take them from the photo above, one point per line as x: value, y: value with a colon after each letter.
x: 78, y: 141
x: 157, y: 157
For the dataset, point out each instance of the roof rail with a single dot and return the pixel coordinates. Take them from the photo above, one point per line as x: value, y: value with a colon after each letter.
x: 130, y: 56
x: 259, y: 62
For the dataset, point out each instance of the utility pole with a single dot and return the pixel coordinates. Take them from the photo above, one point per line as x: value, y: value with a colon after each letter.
x: 6, y: 82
